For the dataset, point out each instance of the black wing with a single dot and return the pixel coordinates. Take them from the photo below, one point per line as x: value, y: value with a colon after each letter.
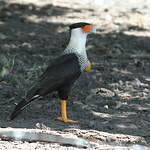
x: 62, y: 72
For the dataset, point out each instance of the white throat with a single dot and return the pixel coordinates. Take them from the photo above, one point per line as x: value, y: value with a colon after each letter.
x: 77, y: 40
x: 77, y: 46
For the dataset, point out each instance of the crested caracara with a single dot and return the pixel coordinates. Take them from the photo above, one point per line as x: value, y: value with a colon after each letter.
x: 63, y: 71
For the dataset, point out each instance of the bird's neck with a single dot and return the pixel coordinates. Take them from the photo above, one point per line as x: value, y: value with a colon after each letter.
x: 77, y: 46
x: 77, y: 40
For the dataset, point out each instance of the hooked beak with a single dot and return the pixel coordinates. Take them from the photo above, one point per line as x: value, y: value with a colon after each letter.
x: 93, y: 30
x: 89, y: 28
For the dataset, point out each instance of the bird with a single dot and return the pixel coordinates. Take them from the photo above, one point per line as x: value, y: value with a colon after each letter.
x: 62, y: 72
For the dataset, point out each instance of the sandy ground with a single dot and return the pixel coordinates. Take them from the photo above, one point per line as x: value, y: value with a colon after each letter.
x: 111, y: 103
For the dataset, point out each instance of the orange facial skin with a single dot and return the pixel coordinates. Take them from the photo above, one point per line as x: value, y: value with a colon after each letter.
x: 87, y: 28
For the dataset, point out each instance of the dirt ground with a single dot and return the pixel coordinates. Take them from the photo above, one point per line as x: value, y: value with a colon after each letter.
x: 111, y: 103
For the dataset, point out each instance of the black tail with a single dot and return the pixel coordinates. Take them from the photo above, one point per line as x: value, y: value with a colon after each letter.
x: 20, y: 107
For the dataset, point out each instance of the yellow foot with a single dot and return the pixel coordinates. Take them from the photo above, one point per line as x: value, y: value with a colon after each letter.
x: 66, y: 120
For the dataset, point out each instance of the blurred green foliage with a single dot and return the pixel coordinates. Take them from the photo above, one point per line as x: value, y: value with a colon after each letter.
x: 5, y: 66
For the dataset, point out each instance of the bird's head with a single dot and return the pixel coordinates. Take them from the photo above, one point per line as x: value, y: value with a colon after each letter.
x: 83, y: 27
x: 78, y: 34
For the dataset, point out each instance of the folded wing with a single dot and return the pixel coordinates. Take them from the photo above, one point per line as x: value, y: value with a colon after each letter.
x: 62, y: 72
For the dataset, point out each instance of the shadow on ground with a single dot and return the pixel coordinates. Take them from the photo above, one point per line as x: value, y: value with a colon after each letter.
x: 114, y: 97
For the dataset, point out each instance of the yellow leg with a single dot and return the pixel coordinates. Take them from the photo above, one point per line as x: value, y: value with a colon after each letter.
x: 63, y: 116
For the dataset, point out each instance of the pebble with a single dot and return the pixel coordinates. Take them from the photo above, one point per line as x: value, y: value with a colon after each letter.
x: 3, y: 36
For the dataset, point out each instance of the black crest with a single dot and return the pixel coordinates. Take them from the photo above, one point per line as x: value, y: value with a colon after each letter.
x: 78, y: 25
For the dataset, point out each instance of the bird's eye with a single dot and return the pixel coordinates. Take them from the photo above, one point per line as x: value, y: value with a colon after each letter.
x: 87, y: 28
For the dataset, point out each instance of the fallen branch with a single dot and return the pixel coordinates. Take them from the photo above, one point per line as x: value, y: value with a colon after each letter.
x: 33, y: 135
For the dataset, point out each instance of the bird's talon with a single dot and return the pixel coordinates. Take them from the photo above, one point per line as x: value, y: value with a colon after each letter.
x: 66, y: 120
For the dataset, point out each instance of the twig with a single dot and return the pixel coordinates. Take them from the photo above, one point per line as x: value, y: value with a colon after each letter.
x: 141, y: 56
x: 13, y: 63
